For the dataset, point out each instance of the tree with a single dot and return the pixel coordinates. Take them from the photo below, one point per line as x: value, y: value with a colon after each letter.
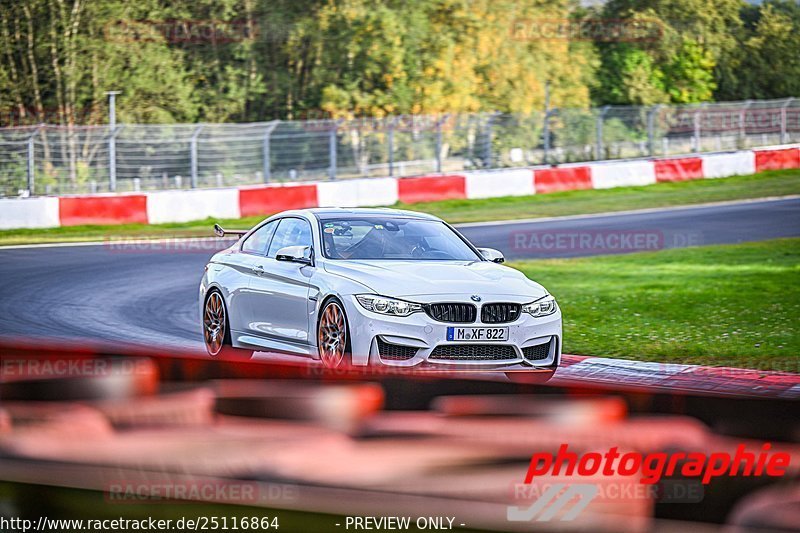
x: 683, y: 64
x: 438, y: 56
x: 769, y: 62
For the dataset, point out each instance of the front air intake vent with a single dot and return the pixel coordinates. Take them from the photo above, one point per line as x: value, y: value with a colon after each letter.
x: 395, y: 352
x: 537, y: 353
x: 473, y: 352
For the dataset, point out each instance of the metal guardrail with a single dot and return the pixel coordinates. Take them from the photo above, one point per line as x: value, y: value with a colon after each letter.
x: 50, y: 159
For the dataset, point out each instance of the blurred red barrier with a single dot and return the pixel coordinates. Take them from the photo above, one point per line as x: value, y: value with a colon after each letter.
x: 562, y: 179
x: 687, y: 168
x: 267, y: 200
x: 431, y: 188
x: 777, y: 159
x: 123, y: 209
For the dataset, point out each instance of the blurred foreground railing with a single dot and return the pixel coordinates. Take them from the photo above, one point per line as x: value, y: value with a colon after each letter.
x: 95, y: 432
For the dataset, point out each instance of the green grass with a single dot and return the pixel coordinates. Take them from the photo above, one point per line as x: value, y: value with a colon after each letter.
x: 733, y: 305
x: 773, y: 183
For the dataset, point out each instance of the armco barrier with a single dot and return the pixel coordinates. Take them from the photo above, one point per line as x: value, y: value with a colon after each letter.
x: 776, y: 159
x: 562, y: 179
x: 104, y: 209
x: 431, y: 188
x: 197, y: 204
x: 728, y: 164
x: 266, y: 200
x: 678, y: 169
x: 358, y: 192
x: 622, y: 174
x: 40, y: 212
x: 491, y: 184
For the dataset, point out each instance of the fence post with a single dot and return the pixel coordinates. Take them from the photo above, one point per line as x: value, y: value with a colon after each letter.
x: 112, y: 157
x: 391, y: 146
x: 112, y: 160
x: 487, y: 150
x: 439, y: 145
x: 332, y: 151
x: 546, y: 133
x: 784, y: 130
x: 31, y: 160
x: 112, y: 140
x: 267, y: 163
x: 193, y: 154
x: 742, y: 122
x: 651, y: 126
x: 697, y: 128
x: 599, y: 133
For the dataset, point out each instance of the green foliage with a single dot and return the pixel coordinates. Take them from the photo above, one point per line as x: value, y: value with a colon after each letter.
x: 690, y: 75
x: 678, y: 65
x: 629, y: 76
x: 768, y: 60
x: 311, y: 58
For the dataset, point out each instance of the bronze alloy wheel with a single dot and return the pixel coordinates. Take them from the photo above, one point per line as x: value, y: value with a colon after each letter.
x: 332, y: 335
x: 214, y: 323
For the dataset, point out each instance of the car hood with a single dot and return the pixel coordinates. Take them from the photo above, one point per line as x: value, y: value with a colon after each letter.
x: 421, y: 278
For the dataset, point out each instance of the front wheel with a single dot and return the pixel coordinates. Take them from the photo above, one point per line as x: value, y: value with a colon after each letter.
x: 332, y: 338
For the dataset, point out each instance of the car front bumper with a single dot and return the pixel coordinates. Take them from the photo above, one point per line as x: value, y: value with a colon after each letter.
x: 423, y: 333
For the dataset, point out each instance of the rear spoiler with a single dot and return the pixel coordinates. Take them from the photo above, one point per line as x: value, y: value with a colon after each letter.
x: 220, y: 232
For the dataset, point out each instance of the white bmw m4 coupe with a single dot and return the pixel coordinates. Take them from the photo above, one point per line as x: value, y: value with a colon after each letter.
x: 376, y: 287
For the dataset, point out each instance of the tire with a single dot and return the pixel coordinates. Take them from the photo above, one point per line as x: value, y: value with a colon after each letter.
x: 215, y: 319
x: 333, y: 335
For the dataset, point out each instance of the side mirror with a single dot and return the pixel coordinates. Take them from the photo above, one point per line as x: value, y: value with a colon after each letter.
x: 490, y: 254
x: 295, y: 254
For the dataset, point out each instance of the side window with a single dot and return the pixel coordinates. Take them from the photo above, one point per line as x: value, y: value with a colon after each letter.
x: 257, y: 242
x: 290, y: 232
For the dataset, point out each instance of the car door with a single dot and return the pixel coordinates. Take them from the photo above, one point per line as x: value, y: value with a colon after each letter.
x: 280, y: 306
x: 243, y: 267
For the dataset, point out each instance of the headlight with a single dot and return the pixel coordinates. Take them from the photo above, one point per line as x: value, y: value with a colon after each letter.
x: 387, y: 306
x: 542, y: 307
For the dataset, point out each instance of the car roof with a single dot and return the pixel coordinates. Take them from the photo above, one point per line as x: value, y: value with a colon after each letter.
x: 330, y: 212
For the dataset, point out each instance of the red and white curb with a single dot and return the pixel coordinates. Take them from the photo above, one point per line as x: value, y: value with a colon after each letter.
x: 185, y: 205
x: 577, y: 370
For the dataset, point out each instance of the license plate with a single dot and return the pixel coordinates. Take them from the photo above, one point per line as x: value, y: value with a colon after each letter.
x: 477, y: 334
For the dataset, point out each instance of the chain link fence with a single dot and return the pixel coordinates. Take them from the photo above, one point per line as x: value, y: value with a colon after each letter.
x: 49, y: 159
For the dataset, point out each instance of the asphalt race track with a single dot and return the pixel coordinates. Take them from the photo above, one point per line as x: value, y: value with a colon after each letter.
x: 147, y: 294
x: 646, y: 230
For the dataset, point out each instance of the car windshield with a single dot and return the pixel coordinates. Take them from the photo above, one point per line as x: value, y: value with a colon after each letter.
x: 392, y: 238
